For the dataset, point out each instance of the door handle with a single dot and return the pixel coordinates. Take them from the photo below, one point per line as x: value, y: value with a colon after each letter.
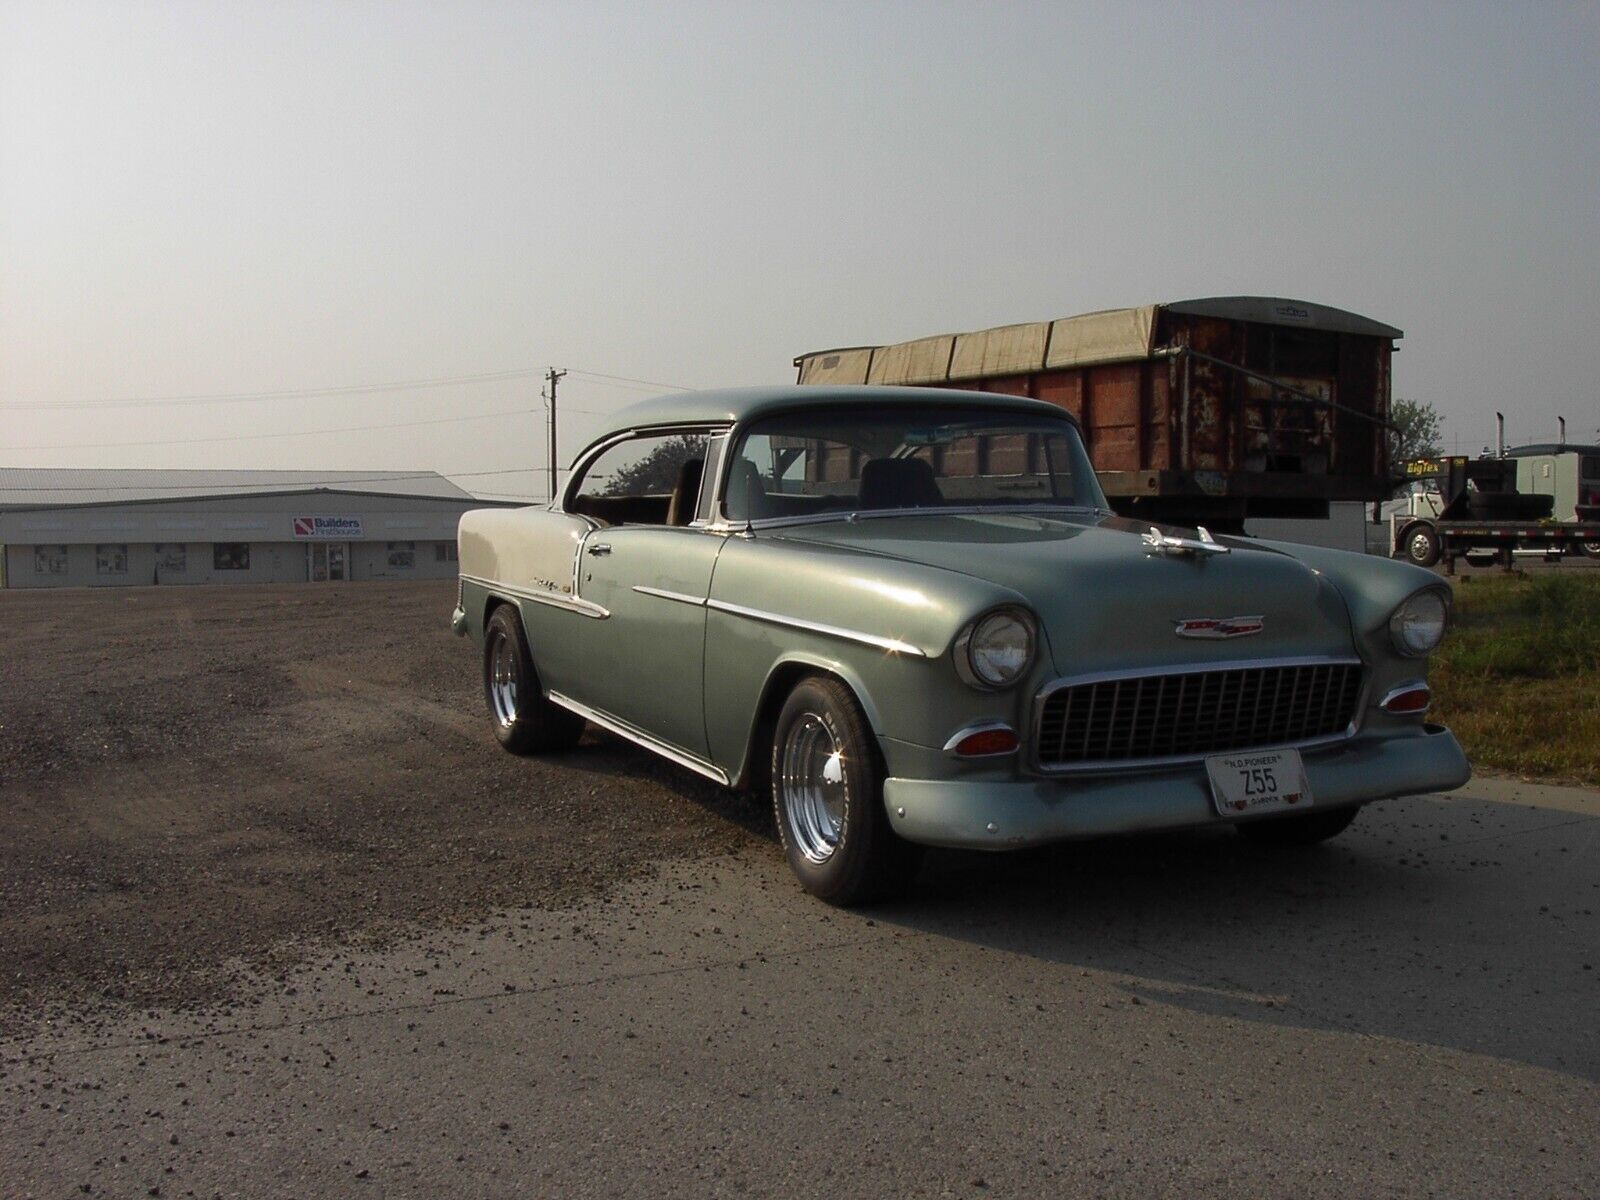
x: 600, y: 548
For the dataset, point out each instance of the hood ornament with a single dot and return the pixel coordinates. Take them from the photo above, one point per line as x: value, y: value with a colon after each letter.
x: 1216, y: 628
x: 1156, y: 542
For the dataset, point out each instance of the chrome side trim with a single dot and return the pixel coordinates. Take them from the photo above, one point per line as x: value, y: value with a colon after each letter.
x: 893, y: 645
x: 1103, y: 766
x: 575, y: 604
x: 967, y: 731
x: 663, y: 594
x: 639, y: 737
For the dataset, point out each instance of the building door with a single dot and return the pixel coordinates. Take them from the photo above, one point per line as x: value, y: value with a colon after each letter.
x: 328, y: 562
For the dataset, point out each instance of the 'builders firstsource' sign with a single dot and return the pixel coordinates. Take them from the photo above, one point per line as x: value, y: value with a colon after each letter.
x: 326, y: 527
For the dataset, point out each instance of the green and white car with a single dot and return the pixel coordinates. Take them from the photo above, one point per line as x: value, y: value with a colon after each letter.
x: 909, y: 616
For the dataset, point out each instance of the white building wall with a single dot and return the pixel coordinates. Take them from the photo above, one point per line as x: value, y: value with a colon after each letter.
x: 402, y: 538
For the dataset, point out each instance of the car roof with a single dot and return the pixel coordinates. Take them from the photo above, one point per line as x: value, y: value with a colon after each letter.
x: 738, y: 405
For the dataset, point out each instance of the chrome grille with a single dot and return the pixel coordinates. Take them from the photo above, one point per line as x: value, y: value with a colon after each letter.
x: 1176, y: 715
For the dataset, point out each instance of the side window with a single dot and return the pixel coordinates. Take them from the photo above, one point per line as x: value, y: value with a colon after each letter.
x: 651, y: 480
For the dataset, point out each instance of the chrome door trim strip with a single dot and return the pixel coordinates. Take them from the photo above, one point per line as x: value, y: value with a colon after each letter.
x: 584, y: 608
x: 663, y: 594
x: 1103, y: 766
x: 639, y: 737
x: 893, y: 645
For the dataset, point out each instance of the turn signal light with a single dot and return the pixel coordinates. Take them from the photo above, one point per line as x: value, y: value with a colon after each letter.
x: 986, y: 742
x: 1408, y: 700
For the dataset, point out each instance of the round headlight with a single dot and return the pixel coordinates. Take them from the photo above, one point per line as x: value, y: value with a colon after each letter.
x: 1417, y: 626
x: 996, y: 650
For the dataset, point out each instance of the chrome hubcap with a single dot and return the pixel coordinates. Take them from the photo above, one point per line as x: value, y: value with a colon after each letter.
x: 1419, y: 547
x: 503, y: 680
x: 812, y: 787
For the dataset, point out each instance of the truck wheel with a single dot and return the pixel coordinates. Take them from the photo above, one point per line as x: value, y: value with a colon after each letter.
x: 1421, y: 546
x: 524, y: 721
x: 1592, y: 549
x: 1306, y: 829
x: 827, y: 799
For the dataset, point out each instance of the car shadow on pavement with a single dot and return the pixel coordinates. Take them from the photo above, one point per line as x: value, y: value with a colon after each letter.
x: 1487, y: 944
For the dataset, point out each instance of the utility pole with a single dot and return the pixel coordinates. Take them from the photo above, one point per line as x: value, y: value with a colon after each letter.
x: 553, y: 377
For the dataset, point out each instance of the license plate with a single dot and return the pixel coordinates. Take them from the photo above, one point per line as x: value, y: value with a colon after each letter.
x: 1258, y: 781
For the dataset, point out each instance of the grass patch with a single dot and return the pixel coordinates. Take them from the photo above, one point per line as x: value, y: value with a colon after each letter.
x: 1518, y: 678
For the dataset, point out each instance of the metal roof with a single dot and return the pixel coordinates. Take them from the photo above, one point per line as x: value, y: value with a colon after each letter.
x: 726, y: 406
x: 51, y: 487
x: 1551, y: 448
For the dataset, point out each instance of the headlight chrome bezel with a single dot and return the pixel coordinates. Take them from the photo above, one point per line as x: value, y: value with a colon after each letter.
x: 1406, y: 610
x: 966, y: 660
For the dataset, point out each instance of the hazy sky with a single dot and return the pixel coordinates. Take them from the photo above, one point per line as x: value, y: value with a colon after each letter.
x: 237, y: 198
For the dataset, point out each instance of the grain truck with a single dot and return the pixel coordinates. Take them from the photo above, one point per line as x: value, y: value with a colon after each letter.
x: 1205, y: 411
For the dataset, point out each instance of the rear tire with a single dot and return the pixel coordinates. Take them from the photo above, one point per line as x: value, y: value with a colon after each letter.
x: 1305, y: 829
x: 524, y: 721
x: 1421, y: 545
x: 827, y: 799
x: 1592, y: 549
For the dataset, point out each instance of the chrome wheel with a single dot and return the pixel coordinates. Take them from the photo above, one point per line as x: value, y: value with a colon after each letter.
x: 1421, y: 547
x: 812, y: 787
x: 503, y: 679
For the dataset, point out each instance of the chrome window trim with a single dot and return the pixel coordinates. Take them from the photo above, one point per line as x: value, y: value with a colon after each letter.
x: 967, y: 731
x: 893, y: 645
x: 639, y: 737
x: 584, y: 608
x: 1104, y: 765
x: 850, y: 516
x: 663, y: 594
x: 586, y: 457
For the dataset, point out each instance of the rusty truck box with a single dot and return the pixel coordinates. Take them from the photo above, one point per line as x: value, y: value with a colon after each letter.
x: 1201, y: 410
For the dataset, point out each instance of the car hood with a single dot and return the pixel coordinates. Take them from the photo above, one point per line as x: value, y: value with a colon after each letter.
x: 1107, y: 602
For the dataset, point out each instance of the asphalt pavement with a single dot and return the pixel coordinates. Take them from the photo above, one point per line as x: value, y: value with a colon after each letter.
x: 1409, y: 1011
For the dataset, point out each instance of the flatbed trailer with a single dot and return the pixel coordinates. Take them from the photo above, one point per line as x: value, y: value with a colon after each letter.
x: 1475, y: 507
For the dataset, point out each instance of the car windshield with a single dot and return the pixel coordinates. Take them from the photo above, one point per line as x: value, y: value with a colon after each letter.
x: 851, y: 460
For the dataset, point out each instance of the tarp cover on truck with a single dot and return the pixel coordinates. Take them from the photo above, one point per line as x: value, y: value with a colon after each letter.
x: 1112, y: 336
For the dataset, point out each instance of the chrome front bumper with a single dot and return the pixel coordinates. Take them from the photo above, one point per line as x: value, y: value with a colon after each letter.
x: 1005, y: 815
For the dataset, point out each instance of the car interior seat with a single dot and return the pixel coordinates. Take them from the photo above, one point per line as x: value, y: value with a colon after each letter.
x: 898, y: 483
x: 680, y: 509
x: 747, y: 492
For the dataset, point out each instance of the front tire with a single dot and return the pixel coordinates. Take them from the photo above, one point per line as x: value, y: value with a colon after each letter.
x: 827, y: 799
x: 524, y: 721
x: 1304, y: 829
x: 1421, y: 545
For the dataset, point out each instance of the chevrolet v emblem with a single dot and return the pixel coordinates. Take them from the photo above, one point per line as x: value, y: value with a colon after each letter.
x: 1220, y: 627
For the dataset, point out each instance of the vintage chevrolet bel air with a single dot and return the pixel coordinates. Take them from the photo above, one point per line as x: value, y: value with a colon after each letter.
x: 909, y: 618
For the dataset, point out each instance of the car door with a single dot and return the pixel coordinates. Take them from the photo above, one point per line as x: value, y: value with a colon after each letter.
x: 644, y: 661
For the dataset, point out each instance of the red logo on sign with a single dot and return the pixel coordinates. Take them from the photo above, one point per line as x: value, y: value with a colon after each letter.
x: 304, y: 527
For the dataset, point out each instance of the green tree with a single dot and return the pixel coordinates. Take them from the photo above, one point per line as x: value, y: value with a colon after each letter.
x: 1416, y: 431
x: 656, y: 474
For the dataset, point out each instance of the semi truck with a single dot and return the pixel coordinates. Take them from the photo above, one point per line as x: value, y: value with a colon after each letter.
x: 1455, y: 506
x: 1211, y: 411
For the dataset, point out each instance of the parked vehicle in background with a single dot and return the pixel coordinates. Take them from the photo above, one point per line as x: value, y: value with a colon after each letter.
x: 1569, y: 474
x: 1204, y: 411
x: 908, y: 617
x: 1456, y: 506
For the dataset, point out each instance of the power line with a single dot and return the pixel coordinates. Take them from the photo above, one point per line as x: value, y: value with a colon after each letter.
x: 251, y: 437
x: 651, y: 383
x: 355, y: 389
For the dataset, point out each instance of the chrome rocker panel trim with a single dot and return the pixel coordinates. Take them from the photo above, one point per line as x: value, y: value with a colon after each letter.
x: 624, y: 730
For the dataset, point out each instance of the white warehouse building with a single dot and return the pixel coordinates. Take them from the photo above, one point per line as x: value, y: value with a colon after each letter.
x: 108, y: 528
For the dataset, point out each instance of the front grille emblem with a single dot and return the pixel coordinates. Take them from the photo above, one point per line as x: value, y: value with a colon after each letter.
x: 1220, y: 627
